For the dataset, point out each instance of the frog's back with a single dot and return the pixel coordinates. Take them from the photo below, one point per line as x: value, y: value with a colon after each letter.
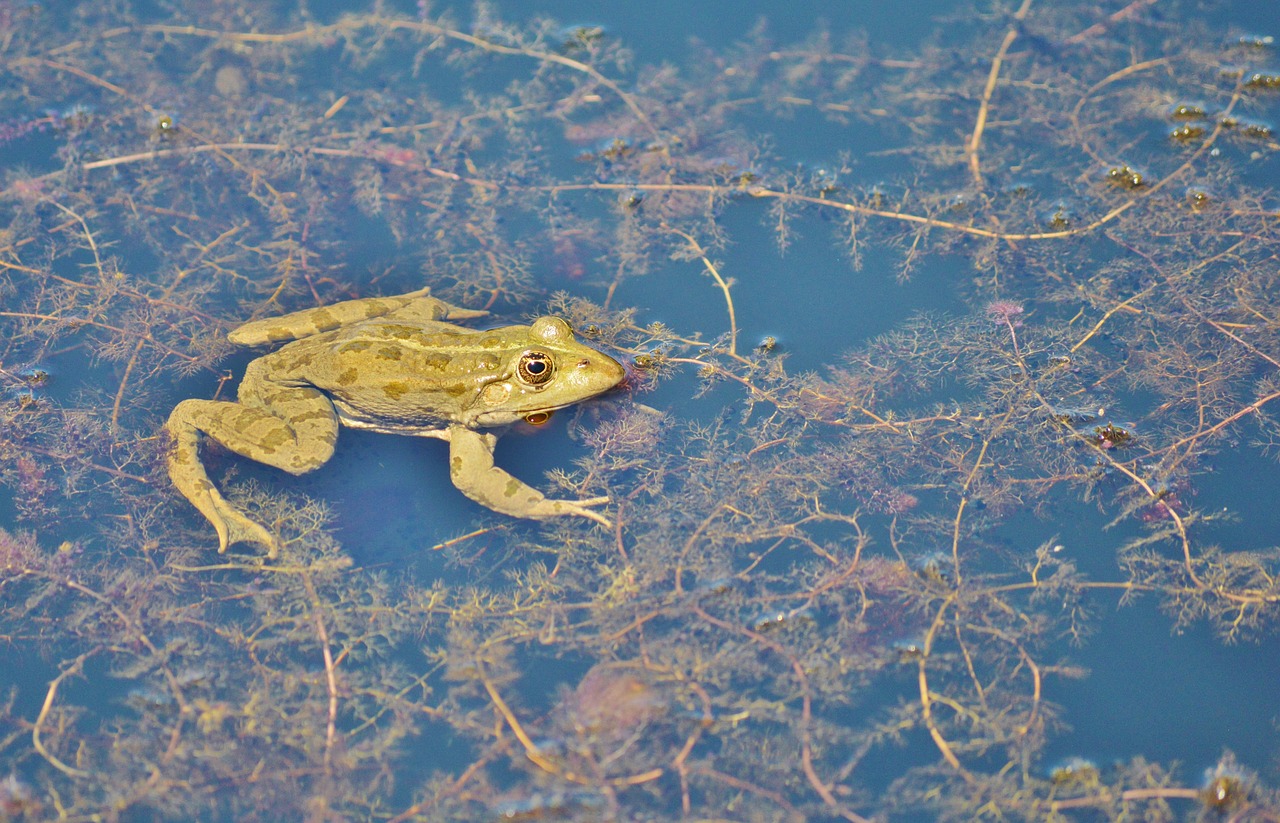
x: 399, y: 376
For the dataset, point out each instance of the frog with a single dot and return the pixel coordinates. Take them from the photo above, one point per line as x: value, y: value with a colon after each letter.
x: 396, y: 365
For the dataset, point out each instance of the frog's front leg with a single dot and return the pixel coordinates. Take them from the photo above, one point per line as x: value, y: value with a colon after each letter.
x: 291, y: 428
x: 472, y: 471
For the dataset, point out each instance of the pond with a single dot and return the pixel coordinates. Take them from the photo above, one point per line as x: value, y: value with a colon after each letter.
x: 938, y: 481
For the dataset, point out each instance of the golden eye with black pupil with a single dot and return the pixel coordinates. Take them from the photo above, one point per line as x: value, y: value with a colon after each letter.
x: 535, y: 367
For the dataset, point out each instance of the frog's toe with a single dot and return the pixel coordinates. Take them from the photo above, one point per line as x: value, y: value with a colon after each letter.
x: 598, y: 517
x: 579, y: 507
x: 223, y: 538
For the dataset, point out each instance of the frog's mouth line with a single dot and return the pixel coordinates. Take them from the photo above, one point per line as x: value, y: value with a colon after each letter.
x: 540, y: 416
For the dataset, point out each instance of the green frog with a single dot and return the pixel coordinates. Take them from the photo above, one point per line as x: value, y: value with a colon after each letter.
x: 394, y: 365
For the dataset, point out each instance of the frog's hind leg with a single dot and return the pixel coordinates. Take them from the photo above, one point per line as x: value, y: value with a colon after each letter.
x: 414, y: 307
x: 189, y: 477
x: 299, y: 443
x: 421, y: 307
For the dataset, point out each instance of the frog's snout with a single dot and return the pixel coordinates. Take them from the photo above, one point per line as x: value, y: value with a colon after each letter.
x: 599, y: 374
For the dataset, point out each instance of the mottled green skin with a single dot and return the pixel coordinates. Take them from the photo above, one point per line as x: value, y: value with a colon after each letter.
x: 390, y: 365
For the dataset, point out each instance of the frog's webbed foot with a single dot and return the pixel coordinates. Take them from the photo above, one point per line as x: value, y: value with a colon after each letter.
x: 186, y: 422
x: 234, y: 527
x: 190, y: 478
x: 473, y: 473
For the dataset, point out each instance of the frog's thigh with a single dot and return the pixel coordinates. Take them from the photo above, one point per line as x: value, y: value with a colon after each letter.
x: 291, y: 428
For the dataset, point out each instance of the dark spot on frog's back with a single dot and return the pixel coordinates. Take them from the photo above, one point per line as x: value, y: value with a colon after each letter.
x: 271, y: 441
x: 348, y: 376
x: 396, y: 389
x: 389, y: 352
x: 325, y: 320
x: 439, y: 362
x: 354, y: 346
x: 491, y: 342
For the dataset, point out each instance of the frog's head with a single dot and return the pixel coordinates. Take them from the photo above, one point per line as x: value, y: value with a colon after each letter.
x: 552, y: 370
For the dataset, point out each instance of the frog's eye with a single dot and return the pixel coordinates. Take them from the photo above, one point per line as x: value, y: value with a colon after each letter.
x: 535, y: 367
